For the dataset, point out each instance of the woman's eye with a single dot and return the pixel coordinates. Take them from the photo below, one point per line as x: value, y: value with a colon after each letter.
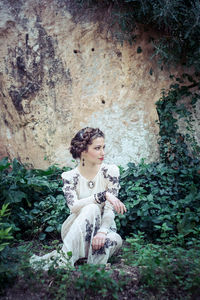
x: 98, y: 148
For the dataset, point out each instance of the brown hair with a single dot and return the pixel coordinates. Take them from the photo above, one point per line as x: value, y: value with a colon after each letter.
x: 82, y: 139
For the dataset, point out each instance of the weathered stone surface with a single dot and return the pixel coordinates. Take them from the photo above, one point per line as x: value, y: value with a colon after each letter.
x: 58, y: 75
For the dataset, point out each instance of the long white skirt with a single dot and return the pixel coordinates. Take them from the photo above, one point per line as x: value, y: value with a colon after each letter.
x: 78, y: 241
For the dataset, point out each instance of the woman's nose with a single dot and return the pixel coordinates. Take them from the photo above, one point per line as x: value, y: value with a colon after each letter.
x: 102, y: 152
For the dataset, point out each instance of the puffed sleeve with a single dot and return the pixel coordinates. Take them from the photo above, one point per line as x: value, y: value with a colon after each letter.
x: 70, y: 182
x: 111, y: 174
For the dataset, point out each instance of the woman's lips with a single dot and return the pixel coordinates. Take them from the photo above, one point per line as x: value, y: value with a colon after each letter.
x: 102, y: 158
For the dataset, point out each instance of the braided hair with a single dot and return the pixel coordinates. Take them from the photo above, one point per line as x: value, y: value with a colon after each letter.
x: 82, y: 139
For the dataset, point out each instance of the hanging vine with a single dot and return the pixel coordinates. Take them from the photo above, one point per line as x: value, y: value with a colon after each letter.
x: 177, y: 148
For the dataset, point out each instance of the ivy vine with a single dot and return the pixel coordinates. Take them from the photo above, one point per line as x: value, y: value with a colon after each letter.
x: 177, y: 148
x: 162, y: 198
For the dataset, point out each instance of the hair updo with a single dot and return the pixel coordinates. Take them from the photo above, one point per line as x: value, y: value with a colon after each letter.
x: 82, y: 139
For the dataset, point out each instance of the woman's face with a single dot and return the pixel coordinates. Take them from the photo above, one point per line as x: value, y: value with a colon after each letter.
x: 95, y: 152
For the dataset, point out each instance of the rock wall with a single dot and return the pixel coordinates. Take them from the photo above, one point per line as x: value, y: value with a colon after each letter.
x: 58, y: 75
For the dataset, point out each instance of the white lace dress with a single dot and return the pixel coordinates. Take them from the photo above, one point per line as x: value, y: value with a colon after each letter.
x: 87, y: 217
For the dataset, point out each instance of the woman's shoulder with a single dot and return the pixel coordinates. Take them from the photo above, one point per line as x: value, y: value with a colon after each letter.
x: 70, y: 175
x: 110, y: 169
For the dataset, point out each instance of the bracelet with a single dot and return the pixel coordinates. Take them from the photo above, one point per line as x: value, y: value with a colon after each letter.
x: 96, y: 199
x: 101, y: 197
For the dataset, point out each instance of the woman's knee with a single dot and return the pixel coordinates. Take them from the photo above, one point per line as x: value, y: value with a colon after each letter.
x: 91, y: 209
x: 115, y: 237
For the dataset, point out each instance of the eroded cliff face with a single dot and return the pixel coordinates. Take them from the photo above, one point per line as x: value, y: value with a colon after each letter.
x: 58, y: 75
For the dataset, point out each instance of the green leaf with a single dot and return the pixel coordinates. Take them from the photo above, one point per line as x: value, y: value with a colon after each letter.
x: 69, y: 253
x: 4, y: 164
x: 49, y: 229
x: 16, y: 196
x: 42, y: 236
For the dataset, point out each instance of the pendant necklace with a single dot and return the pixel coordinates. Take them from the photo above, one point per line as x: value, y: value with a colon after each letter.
x: 91, y: 184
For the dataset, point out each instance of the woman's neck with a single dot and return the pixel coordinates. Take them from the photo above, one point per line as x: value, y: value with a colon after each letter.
x: 89, y: 171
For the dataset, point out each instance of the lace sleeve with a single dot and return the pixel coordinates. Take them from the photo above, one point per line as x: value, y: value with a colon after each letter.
x: 70, y: 192
x: 107, y: 219
x: 111, y: 174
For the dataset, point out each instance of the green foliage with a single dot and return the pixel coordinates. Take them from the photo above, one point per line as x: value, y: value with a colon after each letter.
x: 159, y: 200
x: 62, y: 279
x: 162, y: 198
x: 174, y: 268
x: 35, y: 198
x: 89, y: 281
x: 5, y: 231
x: 174, y: 145
x: 13, y: 263
x: 49, y: 214
x: 177, y: 22
x: 98, y: 280
x: 84, y: 282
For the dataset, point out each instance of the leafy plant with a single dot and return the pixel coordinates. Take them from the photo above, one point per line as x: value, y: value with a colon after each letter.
x: 5, y: 231
x: 174, y: 148
x: 35, y: 198
x: 98, y: 280
x: 48, y: 215
x: 174, y: 268
x: 162, y: 198
x: 13, y: 263
x: 159, y: 200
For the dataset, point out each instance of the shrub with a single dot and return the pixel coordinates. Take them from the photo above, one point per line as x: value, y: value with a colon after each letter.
x: 160, y: 200
x: 35, y: 198
x: 14, y: 261
x: 96, y: 280
x: 165, y: 268
x: 5, y: 230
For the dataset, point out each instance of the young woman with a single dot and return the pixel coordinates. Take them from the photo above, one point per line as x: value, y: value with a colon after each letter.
x: 91, y: 191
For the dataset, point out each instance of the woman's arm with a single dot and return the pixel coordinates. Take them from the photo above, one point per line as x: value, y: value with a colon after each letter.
x: 113, y: 186
x: 112, y: 177
x: 70, y: 182
x: 107, y: 218
x: 71, y: 198
x: 111, y: 174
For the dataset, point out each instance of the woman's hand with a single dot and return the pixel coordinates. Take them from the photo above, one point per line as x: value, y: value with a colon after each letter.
x: 98, y: 240
x: 117, y: 204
